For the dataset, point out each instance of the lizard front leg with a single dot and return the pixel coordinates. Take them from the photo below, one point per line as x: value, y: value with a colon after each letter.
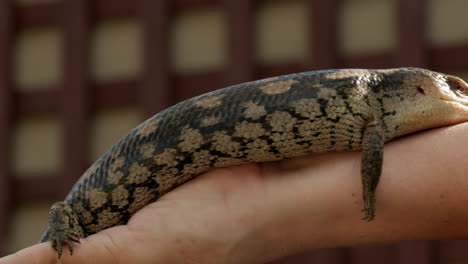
x: 371, y: 164
x: 64, y: 227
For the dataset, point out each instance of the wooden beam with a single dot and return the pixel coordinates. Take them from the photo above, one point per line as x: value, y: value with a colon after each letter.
x: 383, y: 60
x: 450, y: 251
x: 75, y: 89
x: 411, y: 17
x: 382, y: 254
x: 265, y: 71
x: 155, y: 91
x: 452, y: 58
x: 6, y: 87
x: 49, y: 14
x: 41, y: 102
x: 190, y: 85
x: 328, y: 256
x: 111, y: 94
x: 49, y: 101
x: 109, y: 9
x: 39, y: 15
x: 240, y: 41
x: 424, y: 252
x: 323, y: 34
x: 36, y: 188
x: 182, y: 4
x: 115, y: 94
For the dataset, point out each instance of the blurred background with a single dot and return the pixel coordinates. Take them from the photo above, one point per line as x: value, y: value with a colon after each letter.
x: 76, y: 75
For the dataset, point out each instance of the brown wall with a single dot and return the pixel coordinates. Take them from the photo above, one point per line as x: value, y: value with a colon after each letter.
x: 77, y: 75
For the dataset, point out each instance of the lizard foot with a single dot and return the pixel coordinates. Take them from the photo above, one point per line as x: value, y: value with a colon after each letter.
x: 369, y: 208
x: 64, y: 227
x: 369, y: 214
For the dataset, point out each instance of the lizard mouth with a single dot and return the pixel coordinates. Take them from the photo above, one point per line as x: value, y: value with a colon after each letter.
x: 458, y: 86
x: 458, y: 90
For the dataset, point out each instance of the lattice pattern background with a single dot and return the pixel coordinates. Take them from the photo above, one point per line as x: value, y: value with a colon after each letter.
x: 126, y: 60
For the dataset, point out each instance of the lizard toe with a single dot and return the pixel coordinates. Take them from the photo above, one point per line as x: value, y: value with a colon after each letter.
x: 64, y: 228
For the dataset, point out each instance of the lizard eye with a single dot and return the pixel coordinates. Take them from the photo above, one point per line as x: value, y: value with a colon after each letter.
x: 457, y: 86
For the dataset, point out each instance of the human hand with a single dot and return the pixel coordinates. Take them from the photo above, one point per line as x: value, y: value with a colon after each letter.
x: 256, y: 213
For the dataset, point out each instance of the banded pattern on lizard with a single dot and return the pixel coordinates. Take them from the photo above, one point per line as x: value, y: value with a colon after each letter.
x: 265, y: 120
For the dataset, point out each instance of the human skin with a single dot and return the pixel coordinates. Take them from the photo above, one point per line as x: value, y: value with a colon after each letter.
x: 256, y: 213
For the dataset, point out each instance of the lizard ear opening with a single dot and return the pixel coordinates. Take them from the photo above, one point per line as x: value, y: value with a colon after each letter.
x: 421, y: 90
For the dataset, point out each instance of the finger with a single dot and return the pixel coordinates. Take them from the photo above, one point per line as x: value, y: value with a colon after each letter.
x: 105, y: 247
x: 41, y: 253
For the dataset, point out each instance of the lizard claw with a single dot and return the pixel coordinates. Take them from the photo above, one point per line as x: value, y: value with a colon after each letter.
x: 369, y: 213
x: 63, y: 237
x: 63, y: 228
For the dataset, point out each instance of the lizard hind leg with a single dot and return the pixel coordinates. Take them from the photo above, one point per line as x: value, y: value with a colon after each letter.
x: 64, y: 227
x: 371, y: 165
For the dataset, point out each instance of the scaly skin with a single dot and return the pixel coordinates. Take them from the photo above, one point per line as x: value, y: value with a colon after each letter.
x: 265, y: 120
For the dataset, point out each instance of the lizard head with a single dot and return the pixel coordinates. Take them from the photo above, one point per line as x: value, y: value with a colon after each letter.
x: 455, y: 89
x: 427, y: 99
x: 444, y: 87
